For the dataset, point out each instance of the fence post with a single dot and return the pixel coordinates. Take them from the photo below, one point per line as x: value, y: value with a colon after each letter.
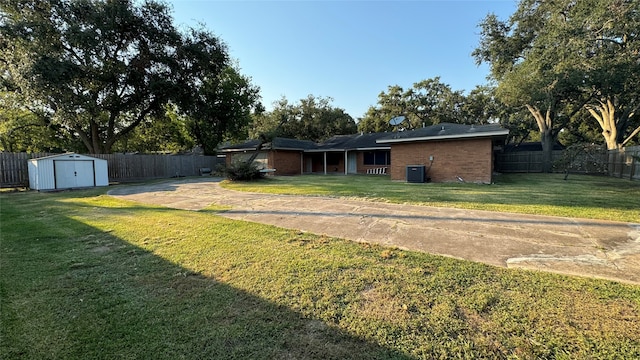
x: 621, y: 162
x: 632, y: 171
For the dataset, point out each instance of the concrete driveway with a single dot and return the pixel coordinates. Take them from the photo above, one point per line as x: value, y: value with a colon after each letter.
x: 592, y: 248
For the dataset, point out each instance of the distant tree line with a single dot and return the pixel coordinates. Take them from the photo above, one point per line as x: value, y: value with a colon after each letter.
x: 105, y: 76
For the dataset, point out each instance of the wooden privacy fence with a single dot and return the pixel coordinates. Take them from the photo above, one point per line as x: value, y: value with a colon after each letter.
x: 625, y: 163
x: 621, y: 163
x: 522, y: 161
x: 122, y: 168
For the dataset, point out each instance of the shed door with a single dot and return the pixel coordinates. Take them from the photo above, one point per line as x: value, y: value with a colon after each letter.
x: 73, y: 174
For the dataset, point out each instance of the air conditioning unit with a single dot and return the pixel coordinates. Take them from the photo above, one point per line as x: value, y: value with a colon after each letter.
x: 415, y: 173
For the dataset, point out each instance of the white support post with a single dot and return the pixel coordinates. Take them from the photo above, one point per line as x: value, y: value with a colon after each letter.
x: 345, y: 162
x: 325, y: 162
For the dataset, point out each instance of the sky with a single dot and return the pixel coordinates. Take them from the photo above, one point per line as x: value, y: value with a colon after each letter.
x: 350, y: 51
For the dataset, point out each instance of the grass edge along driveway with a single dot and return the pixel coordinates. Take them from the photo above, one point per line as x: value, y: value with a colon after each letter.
x: 581, y: 196
x: 98, y: 277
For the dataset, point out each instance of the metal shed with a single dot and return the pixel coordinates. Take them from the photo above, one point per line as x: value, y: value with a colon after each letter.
x: 67, y: 171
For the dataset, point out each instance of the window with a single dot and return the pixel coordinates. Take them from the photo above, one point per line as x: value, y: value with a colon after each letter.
x: 333, y: 158
x: 381, y: 157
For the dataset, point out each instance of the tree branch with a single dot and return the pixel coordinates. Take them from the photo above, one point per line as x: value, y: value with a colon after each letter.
x: 538, y: 116
x: 634, y: 133
x: 73, y: 53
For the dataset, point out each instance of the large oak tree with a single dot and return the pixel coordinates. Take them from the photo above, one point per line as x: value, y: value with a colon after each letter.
x: 99, y: 69
x: 221, y: 109
x: 558, y: 58
x: 606, y: 46
x: 528, y: 57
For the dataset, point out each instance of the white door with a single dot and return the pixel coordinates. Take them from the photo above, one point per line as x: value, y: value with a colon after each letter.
x: 352, y: 158
x: 73, y: 174
x: 85, y: 176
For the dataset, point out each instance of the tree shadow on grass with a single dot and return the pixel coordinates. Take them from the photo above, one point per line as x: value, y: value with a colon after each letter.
x: 89, y: 294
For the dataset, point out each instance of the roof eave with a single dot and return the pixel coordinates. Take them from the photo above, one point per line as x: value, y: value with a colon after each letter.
x: 445, y: 137
x: 324, y: 150
x: 238, y: 150
x: 373, y: 148
x: 288, y: 149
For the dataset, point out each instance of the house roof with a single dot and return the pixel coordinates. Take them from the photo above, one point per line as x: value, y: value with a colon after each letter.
x: 276, y: 144
x: 445, y: 131
x: 353, y: 142
x: 375, y: 141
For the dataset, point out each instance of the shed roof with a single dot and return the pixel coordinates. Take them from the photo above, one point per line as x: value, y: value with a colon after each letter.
x: 70, y: 155
x: 444, y: 131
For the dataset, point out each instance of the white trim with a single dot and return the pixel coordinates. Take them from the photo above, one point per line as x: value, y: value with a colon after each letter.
x: 287, y: 149
x: 445, y: 137
x: 325, y: 163
x: 325, y: 150
x: 374, y: 148
x: 238, y: 150
x: 350, y: 149
x: 346, y: 162
x: 263, y: 149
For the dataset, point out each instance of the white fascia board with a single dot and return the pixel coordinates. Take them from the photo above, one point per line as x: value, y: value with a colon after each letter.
x: 445, y: 137
x: 325, y: 150
x: 238, y: 150
x: 291, y: 149
x: 352, y: 149
x: 373, y: 148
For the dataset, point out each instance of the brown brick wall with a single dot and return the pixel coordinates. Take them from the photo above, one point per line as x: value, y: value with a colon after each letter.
x: 472, y: 159
x: 362, y: 168
x: 285, y: 162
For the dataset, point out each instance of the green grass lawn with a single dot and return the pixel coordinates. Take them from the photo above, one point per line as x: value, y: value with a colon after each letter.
x: 87, y: 276
x: 594, y: 197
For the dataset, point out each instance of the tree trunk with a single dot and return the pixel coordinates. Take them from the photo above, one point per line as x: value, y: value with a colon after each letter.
x: 604, y: 113
x: 95, y: 138
x: 547, y: 138
x: 85, y: 138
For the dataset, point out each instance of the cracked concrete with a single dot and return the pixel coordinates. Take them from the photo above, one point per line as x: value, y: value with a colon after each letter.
x: 583, y: 247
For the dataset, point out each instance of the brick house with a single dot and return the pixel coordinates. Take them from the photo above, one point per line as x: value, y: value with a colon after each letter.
x: 359, y: 152
x: 446, y: 152
x: 282, y: 154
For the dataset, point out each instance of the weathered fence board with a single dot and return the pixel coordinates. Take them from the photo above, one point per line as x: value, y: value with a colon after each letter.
x: 122, y: 168
x: 625, y: 163
x: 619, y: 163
x: 522, y: 161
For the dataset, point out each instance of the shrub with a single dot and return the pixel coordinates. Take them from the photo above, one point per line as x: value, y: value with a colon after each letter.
x: 220, y: 170
x: 243, y: 171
